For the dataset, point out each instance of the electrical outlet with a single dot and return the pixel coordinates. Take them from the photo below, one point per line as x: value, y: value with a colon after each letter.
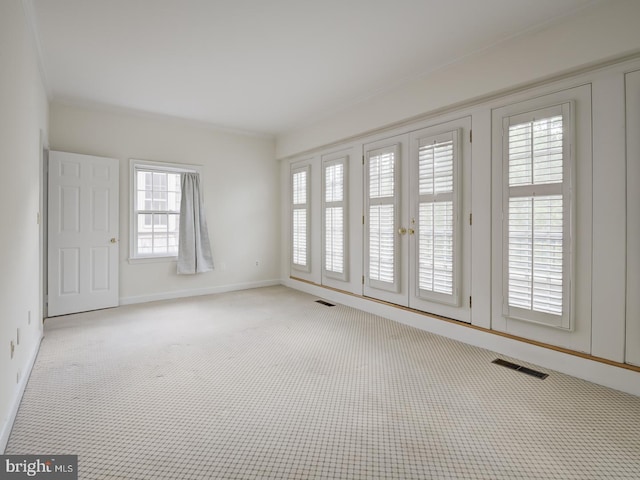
x: 12, y: 347
x: 257, y: 263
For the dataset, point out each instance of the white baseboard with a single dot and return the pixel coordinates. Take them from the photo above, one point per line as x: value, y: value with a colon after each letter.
x: 591, y: 370
x: 196, y: 292
x: 17, y: 397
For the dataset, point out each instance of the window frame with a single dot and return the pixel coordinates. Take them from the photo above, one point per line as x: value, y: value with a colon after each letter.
x: 298, y: 168
x: 371, y: 151
x: 153, y: 166
x: 327, y: 162
x: 455, y: 196
x: 566, y: 109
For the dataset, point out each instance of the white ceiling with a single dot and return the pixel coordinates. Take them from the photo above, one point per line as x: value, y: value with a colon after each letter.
x: 263, y: 66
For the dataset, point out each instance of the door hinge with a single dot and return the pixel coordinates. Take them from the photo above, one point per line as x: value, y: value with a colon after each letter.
x: 471, y: 219
x: 470, y: 136
x: 469, y: 301
x: 363, y: 159
x: 363, y: 219
x: 363, y: 279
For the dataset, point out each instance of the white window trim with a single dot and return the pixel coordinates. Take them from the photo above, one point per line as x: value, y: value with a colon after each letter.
x: 296, y: 168
x: 566, y: 320
x: 396, y: 202
x: 331, y: 160
x: 456, y: 196
x: 135, y: 164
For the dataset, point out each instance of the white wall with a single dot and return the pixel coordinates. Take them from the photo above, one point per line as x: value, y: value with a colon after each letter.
x: 240, y: 184
x: 606, y: 31
x: 23, y: 119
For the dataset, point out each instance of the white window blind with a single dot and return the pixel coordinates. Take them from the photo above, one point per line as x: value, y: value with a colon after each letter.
x: 436, y: 215
x: 334, y: 187
x: 537, y: 215
x: 300, y: 217
x: 382, y: 200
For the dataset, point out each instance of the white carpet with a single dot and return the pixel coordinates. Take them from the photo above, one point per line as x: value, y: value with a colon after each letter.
x: 267, y: 383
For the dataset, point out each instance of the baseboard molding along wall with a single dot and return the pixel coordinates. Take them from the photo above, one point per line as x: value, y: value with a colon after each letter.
x: 17, y: 397
x: 196, y: 292
x: 594, y: 371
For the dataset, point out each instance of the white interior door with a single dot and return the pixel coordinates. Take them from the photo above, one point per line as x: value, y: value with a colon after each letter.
x: 632, y: 350
x: 82, y: 233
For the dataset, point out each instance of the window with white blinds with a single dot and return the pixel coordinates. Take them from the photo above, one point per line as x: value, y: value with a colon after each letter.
x: 537, y: 172
x: 334, y: 187
x: 382, y: 201
x: 300, y: 217
x: 437, y: 217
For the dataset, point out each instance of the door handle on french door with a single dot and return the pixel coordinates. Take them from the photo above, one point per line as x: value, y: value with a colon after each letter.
x: 402, y: 231
x: 113, y: 240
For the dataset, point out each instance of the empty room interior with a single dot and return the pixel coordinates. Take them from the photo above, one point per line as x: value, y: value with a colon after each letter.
x: 337, y: 239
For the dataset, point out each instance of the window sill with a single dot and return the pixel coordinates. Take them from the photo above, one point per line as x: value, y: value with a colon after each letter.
x: 137, y: 260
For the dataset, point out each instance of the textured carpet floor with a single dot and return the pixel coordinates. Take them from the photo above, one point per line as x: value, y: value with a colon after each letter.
x: 267, y: 383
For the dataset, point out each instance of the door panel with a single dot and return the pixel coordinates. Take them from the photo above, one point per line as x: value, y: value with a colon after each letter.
x: 82, y: 233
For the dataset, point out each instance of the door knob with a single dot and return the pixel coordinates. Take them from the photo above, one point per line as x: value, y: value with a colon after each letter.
x: 402, y: 231
x: 411, y: 231
x: 113, y: 240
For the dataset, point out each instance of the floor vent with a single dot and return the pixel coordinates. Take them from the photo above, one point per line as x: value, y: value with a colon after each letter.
x: 327, y: 304
x: 520, y: 368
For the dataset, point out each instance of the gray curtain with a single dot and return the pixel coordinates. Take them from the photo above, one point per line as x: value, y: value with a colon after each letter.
x: 194, y: 250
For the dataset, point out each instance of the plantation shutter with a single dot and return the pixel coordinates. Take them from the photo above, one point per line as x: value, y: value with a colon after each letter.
x: 334, y: 187
x: 300, y: 218
x: 537, y: 240
x: 437, y: 217
x: 382, y: 201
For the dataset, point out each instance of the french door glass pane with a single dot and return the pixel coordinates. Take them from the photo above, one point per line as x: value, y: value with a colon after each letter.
x: 334, y: 240
x: 435, y: 166
x: 382, y: 175
x: 334, y: 183
x: 381, y: 243
x: 300, y: 236
x: 435, y: 247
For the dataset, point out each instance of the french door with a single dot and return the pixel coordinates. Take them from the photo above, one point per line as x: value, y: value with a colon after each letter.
x: 417, y: 219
